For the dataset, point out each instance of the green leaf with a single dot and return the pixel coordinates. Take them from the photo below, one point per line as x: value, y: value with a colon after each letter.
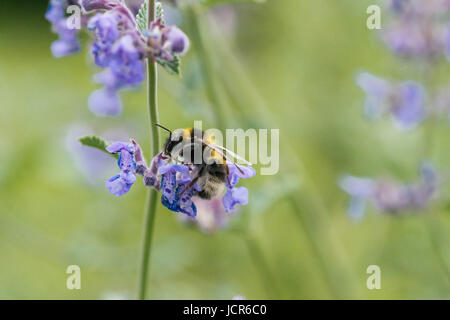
x: 172, y: 67
x: 141, y: 17
x: 96, y: 142
x: 160, y: 12
x: 213, y: 2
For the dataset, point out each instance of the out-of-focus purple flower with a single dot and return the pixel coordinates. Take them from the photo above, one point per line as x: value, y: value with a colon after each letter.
x: 105, y: 102
x: 92, y: 164
x: 67, y: 43
x: 408, y: 107
x: 121, y: 183
x: 405, y: 101
x: 176, y: 40
x: 55, y: 10
x: 417, y: 28
x: 126, y: 61
x: 389, y: 196
x: 166, y: 41
x: 91, y: 5
x: 106, y: 28
x: 211, y: 214
x: 360, y: 190
x: 238, y: 298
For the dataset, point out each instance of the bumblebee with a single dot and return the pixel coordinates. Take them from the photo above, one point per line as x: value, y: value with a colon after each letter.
x: 211, y: 168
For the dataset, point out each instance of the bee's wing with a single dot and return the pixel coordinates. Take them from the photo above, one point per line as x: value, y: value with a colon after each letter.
x: 228, y: 152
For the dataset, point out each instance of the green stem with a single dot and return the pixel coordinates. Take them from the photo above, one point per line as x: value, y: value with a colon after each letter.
x: 150, y: 207
x: 261, y: 265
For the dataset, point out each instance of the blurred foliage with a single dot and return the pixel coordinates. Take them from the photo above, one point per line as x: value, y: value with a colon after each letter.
x: 301, y: 57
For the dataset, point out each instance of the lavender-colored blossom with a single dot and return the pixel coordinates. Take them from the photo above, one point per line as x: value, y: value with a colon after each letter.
x: 176, y: 40
x: 172, y: 190
x: 55, y: 10
x: 119, y: 46
x: 105, y: 102
x: 166, y: 41
x: 141, y: 165
x: 417, y: 28
x: 390, y: 196
x: 121, y: 183
x: 211, y: 214
x: 92, y: 164
x: 151, y: 174
x: 235, y: 195
x: 91, y: 5
x: 67, y: 43
x: 106, y: 27
x: 405, y: 101
x: 126, y: 63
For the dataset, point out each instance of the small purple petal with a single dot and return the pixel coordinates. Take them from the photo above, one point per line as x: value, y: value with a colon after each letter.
x: 104, y: 102
x: 119, y: 146
x: 177, y: 40
x: 120, y: 184
x: 235, y: 196
x: 126, y: 162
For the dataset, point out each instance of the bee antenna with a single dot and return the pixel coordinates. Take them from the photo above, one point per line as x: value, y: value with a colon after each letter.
x: 164, y: 128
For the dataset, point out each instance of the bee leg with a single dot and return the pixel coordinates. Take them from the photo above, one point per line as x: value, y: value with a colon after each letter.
x: 190, y: 185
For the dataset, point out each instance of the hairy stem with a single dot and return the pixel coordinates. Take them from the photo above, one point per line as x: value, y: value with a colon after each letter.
x: 150, y: 206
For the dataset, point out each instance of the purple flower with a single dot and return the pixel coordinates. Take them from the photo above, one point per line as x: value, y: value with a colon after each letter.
x: 360, y: 190
x: 107, y: 32
x: 235, y: 196
x: 126, y: 63
x: 121, y: 183
x: 174, y: 196
x: 405, y: 101
x: 176, y: 40
x: 150, y: 175
x: 55, y: 10
x: 105, y: 102
x: 238, y: 195
x: 67, y: 43
x: 211, y: 214
x: 417, y: 28
x: 166, y: 41
x: 90, y: 5
x: 390, y: 196
x: 408, y: 107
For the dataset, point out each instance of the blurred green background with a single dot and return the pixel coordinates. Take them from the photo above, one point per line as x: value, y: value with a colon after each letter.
x: 301, y: 57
